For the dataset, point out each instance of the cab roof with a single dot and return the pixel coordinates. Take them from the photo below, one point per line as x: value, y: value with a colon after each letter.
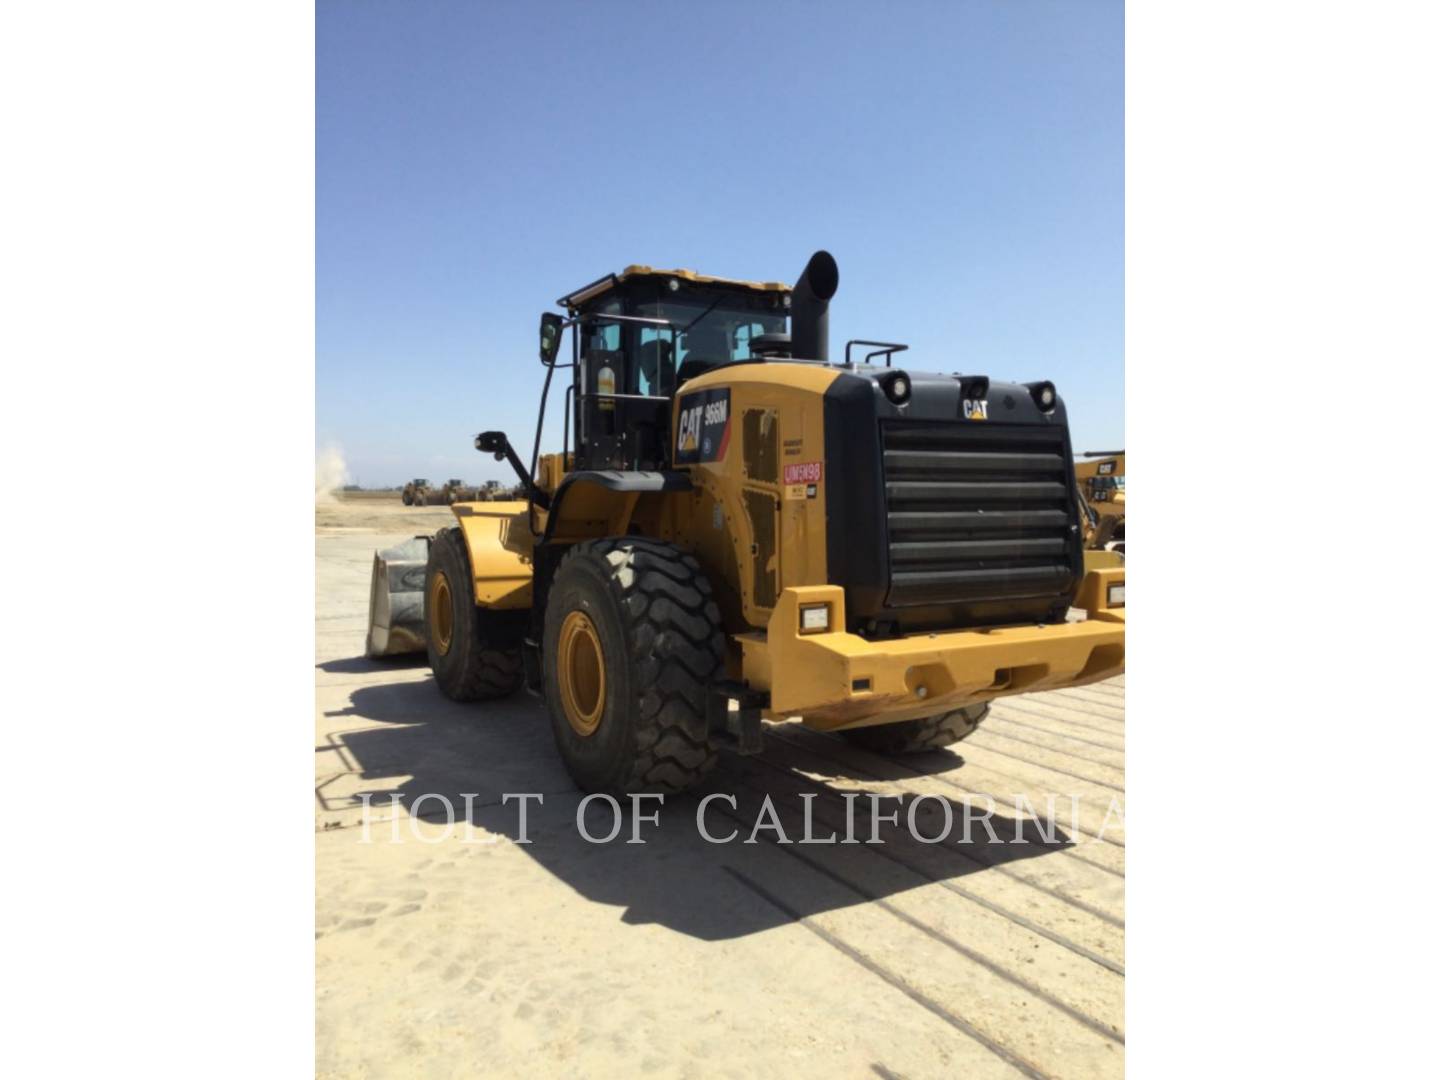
x: 609, y: 281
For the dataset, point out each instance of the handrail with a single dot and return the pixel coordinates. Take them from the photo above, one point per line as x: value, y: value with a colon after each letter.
x: 565, y: 437
x: 882, y: 348
x: 626, y: 397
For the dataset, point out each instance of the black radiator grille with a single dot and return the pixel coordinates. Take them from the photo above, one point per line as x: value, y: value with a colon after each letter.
x: 976, y: 513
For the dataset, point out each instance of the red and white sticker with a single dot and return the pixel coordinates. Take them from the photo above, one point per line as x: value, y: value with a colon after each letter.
x: 807, y: 472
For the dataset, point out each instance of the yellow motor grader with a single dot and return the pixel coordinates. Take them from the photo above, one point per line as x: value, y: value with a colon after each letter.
x: 747, y: 530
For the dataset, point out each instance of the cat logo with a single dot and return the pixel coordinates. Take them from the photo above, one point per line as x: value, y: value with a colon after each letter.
x: 703, y: 427
x: 690, y: 430
x: 975, y: 410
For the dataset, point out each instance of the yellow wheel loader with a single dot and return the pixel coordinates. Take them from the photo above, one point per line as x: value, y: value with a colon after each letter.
x: 456, y: 491
x: 746, y: 529
x: 416, y: 493
x: 1101, y: 487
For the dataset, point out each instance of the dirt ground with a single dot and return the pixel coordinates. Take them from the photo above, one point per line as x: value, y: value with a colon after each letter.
x: 460, y: 952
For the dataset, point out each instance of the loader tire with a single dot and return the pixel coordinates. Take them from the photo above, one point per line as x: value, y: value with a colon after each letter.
x: 918, y: 736
x: 633, y: 640
x: 474, y: 652
x: 405, y: 498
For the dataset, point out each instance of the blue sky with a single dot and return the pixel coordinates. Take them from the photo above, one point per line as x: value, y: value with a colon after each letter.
x: 963, y: 161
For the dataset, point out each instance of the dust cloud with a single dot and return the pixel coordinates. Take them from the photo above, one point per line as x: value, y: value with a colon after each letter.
x: 330, y: 474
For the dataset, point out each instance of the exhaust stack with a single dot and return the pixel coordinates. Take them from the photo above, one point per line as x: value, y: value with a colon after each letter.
x: 810, y: 308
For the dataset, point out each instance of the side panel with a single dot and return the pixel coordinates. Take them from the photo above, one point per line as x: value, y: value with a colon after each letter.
x: 754, y: 438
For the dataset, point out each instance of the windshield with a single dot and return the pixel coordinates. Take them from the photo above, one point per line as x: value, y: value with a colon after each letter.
x: 714, y: 331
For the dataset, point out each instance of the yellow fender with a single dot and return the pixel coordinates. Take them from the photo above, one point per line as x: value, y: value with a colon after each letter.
x: 501, y: 547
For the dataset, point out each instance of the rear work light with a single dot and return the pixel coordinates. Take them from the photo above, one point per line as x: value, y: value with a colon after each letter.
x: 814, y: 618
x: 1115, y: 595
x: 1044, y: 395
x: 896, y: 386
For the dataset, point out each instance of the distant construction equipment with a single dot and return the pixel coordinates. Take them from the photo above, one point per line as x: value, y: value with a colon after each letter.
x: 1100, y: 485
x: 419, y: 492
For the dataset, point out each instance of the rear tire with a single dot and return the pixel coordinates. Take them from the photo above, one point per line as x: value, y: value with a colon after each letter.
x: 919, y: 736
x: 474, y: 652
x: 632, y: 642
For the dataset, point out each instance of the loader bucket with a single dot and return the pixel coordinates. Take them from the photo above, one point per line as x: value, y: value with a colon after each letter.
x: 397, y: 599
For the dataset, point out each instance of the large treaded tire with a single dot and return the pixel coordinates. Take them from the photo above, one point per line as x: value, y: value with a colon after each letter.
x: 919, y: 736
x: 662, y: 642
x: 483, y: 660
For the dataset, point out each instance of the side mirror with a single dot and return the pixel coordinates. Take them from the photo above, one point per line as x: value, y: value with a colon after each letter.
x: 551, y: 327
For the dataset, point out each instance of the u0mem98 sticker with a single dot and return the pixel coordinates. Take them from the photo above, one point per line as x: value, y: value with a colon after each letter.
x: 802, y: 479
x: 803, y: 472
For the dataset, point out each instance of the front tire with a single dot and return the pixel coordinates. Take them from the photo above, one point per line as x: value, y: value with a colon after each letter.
x: 633, y: 641
x: 474, y: 652
x: 919, y: 736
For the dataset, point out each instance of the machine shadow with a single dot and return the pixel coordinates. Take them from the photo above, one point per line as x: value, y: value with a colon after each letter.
x: 364, y: 665
x: 431, y: 753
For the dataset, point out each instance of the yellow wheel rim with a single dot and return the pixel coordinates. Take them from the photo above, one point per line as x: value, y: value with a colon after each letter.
x: 442, y: 613
x: 581, y: 667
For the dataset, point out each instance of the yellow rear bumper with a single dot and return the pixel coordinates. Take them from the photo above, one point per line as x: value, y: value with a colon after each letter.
x: 837, y: 679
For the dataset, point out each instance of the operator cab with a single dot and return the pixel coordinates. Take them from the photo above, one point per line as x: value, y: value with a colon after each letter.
x: 643, y: 333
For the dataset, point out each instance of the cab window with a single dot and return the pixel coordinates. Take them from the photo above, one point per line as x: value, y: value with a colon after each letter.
x: 655, y: 366
x: 601, y: 336
x: 713, y: 331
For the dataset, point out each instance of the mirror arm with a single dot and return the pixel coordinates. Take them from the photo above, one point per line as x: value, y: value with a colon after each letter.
x: 496, y: 442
